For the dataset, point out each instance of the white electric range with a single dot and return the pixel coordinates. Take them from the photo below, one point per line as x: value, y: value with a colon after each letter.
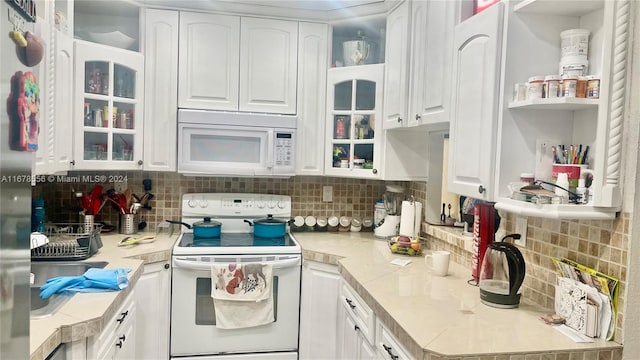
x: 193, y: 330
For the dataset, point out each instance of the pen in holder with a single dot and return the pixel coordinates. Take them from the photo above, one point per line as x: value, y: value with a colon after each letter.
x: 128, y: 224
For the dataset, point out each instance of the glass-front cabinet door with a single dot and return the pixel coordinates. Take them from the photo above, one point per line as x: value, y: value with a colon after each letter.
x: 354, y: 110
x: 108, y: 118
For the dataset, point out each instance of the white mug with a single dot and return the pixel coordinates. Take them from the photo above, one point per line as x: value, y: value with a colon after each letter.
x: 439, y: 262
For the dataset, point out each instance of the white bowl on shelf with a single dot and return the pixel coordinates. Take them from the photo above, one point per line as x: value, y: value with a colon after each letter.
x: 113, y: 38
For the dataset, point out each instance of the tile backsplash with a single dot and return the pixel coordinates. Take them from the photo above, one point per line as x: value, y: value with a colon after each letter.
x: 602, y: 245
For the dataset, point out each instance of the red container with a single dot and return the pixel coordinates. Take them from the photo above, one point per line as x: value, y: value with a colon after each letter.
x: 483, y: 235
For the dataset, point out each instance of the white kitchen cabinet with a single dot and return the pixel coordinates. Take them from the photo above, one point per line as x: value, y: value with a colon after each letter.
x: 356, y: 326
x: 353, y: 128
x: 319, y: 311
x: 56, y: 110
x: 108, y: 108
x: 152, y: 297
x: 268, y: 65
x: 474, y: 110
x: 397, y: 66
x: 118, y: 338
x: 237, y: 64
x: 431, y: 39
x: 160, y: 49
x: 313, y: 57
x: 209, y: 61
x: 388, y: 347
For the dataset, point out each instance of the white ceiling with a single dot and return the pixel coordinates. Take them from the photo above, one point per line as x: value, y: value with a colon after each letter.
x: 317, y: 5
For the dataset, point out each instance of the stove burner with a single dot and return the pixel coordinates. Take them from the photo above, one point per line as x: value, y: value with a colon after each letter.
x: 234, y: 239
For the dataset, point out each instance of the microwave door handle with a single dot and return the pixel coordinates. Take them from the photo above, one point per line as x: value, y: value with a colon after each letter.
x: 270, y: 149
x: 196, y: 265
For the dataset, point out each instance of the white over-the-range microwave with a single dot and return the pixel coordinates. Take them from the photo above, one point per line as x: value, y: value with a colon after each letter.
x: 218, y: 143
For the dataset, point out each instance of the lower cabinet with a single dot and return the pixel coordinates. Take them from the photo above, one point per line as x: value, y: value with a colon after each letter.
x: 388, y: 347
x: 153, y: 292
x: 118, y: 339
x: 319, y: 311
x: 356, y: 326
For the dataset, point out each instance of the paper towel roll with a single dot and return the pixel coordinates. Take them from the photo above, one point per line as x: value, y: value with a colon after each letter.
x: 418, y: 218
x: 407, y: 218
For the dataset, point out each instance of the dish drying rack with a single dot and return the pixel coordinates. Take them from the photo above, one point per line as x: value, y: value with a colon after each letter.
x: 69, y: 241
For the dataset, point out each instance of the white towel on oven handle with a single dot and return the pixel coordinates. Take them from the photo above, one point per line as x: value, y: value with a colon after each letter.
x: 242, y: 305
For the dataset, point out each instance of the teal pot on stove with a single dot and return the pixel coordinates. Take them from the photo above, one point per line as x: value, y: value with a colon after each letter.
x: 206, y: 229
x: 269, y: 227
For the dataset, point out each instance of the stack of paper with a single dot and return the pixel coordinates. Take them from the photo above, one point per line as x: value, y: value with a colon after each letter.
x: 586, y: 298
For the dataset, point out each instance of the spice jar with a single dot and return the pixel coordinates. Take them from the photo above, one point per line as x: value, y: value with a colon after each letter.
x: 332, y: 223
x: 552, y: 86
x: 581, y: 87
x: 534, y: 87
x: 310, y: 222
x: 569, y: 85
x: 345, y: 223
x: 298, y: 223
x: 321, y: 223
x: 593, y: 87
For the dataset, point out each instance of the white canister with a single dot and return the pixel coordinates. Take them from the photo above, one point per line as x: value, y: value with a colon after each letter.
x: 574, y: 42
x: 534, y: 87
x: 379, y: 213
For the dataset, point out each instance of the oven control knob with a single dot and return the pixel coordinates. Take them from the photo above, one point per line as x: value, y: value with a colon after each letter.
x: 204, y: 203
x: 272, y: 204
x: 192, y: 203
x: 281, y: 204
x: 260, y: 204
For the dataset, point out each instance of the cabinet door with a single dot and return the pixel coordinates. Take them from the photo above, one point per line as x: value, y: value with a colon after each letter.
x: 348, y: 336
x: 108, y: 108
x: 431, y: 54
x: 353, y: 128
x: 268, y: 65
x: 319, y: 311
x: 161, y: 89
x: 312, y: 86
x: 125, y: 338
x: 46, y: 81
x: 209, y: 59
x: 63, y: 149
x: 152, y: 314
x: 476, y: 64
x: 397, y: 65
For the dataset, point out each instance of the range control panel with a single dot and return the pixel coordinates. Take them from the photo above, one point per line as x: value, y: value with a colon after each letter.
x: 235, y: 204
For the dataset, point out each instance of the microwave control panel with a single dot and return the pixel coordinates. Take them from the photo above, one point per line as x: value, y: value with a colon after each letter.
x: 284, y: 148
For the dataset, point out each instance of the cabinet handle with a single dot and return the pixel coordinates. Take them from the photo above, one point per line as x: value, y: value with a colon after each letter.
x: 399, y: 119
x: 356, y: 328
x: 120, y: 342
x: 139, y: 162
x: 388, y: 350
x: 350, y: 302
x: 418, y: 117
x: 166, y: 266
x: 123, y: 315
x: 72, y: 162
x: 481, y: 189
x: 375, y: 171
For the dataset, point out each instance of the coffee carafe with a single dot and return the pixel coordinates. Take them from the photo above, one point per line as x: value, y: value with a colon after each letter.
x: 503, y: 271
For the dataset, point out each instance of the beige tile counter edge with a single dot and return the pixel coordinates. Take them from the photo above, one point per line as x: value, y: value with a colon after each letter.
x: 84, y: 315
x: 363, y: 262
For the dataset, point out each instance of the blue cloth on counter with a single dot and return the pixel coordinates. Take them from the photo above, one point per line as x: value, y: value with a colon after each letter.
x: 93, y: 280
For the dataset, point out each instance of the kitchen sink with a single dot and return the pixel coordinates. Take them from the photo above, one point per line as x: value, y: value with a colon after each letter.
x: 42, y: 271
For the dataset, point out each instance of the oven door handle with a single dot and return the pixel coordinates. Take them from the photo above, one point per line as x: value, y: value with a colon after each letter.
x: 185, y: 263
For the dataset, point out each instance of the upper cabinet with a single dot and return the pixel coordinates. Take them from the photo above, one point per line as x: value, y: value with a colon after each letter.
x: 475, y: 83
x: 419, y: 40
x: 108, y: 109
x: 237, y: 64
x: 160, y: 49
x: 512, y: 137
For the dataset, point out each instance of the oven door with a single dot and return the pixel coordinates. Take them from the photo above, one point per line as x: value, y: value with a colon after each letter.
x: 193, y: 329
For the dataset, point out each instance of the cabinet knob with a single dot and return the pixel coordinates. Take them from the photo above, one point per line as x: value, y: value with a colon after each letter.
x: 72, y: 162
x: 418, y: 117
x: 481, y: 189
x: 120, y: 342
x: 399, y: 119
x: 123, y: 315
x: 139, y: 162
x: 350, y: 303
x: 375, y: 171
x: 166, y: 266
x: 388, y: 350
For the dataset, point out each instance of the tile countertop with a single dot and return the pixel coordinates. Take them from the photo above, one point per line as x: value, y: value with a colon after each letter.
x: 431, y: 315
x: 84, y: 314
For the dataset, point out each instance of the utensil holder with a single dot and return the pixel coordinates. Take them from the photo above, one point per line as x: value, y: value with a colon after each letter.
x: 128, y: 224
x: 88, y: 222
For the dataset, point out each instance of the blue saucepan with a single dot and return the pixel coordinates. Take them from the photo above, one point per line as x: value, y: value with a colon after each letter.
x: 269, y: 227
x: 206, y: 229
